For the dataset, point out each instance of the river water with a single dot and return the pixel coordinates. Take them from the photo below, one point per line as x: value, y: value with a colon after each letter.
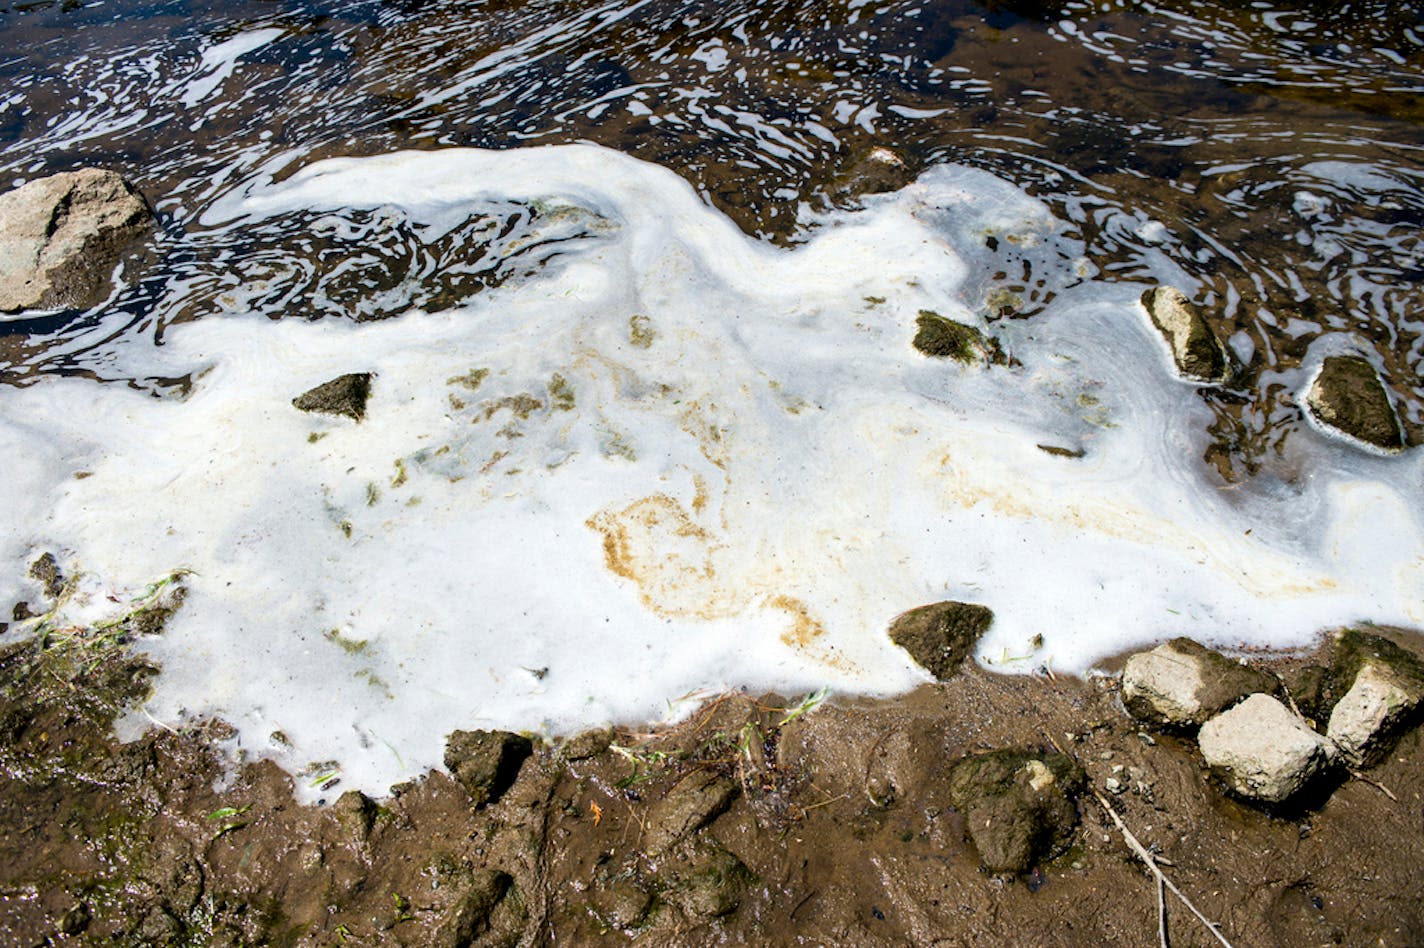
x: 729, y: 466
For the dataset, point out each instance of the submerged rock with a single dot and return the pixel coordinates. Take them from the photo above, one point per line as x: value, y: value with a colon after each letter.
x: 875, y: 172
x: 486, y: 763
x: 1197, y: 352
x: 1381, y: 688
x: 1263, y: 751
x: 344, y: 395
x: 62, y: 236
x: 1019, y: 806
x: 942, y: 338
x: 689, y: 805
x: 941, y: 635
x: 1182, y: 683
x: 1348, y: 395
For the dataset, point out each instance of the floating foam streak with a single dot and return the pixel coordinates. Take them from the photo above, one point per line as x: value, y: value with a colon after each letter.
x: 671, y: 458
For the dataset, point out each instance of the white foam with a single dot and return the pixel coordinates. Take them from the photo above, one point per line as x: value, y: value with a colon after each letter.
x: 747, y: 500
x: 219, y: 61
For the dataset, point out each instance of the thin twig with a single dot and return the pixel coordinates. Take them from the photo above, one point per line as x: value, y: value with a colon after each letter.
x: 1147, y: 859
x: 1161, y: 913
x: 1374, y: 783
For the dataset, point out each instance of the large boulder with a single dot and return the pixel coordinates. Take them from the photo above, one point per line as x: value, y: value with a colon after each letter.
x: 1197, y: 352
x: 62, y: 236
x: 1180, y: 684
x: 1348, y: 396
x: 1262, y: 750
x: 941, y: 635
x: 1019, y: 806
x: 1381, y: 691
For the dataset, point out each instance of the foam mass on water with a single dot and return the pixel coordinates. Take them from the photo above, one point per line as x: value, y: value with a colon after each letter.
x: 669, y: 460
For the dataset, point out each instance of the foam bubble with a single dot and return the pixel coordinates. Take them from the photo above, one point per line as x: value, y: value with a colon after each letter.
x: 673, y: 459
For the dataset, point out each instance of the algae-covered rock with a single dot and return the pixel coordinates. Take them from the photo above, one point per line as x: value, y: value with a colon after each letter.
x: 875, y: 172
x: 939, y: 636
x: 942, y: 338
x: 1196, y: 351
x: 690, y: 804
x: 1348, y: 395
x: 486, y: 763
x: 1019, y: 806
x: 1182, y: 683
x: 1380, y: 689
x: 61, y: 238
x: 1262, y: 750
x: 344, y: 395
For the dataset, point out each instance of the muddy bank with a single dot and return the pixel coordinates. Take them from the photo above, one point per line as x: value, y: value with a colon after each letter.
x: 757, y: 820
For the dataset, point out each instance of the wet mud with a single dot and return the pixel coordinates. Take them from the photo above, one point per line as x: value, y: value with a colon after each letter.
x: 757, y: 820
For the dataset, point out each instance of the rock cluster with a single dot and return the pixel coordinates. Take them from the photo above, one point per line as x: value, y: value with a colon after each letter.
x: 62, y: 237
x: 1263, y: 750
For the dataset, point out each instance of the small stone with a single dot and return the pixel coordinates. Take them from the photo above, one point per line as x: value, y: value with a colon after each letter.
x: 876, y: 172
x: 486, y: 763
x: 689, y: 805
x: 1114, y: 785
x: 941, y: 635
x: 1196, y: 351
x: 75, y: 920
x: 356, y: 813
x: 1264, y: 751
x: 1383, y: 688
x: 61, y: 237
x: 1018, y: 805
x: 1179, y: 684
x: 1348, y: 396
x: 587, y: 744
x: 942, y: 338
x: 622, y: 905
x: 344, y: 395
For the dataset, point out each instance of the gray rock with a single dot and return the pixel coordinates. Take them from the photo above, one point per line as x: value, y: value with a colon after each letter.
x: 1381, y: 688
x: 1197, y: 352
x: 1019, y: 806
x: 1263, y: 751
x: 486, y: 763
x: 1179, y: 684
x: 1348, y: 396
x: 690, y: 804
x: 344, y: 395
x: 62, y: 236
x: 941, y: 635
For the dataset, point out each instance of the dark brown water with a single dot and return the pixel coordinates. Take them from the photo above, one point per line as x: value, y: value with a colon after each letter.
x: 1267, y: 158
